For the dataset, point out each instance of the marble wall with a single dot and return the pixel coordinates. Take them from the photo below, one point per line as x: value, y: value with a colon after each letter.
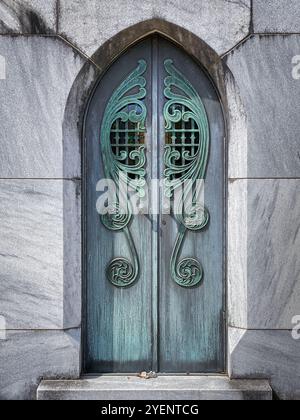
x: 40, y: 204
x: 264, y: 208
x: 51, y: 55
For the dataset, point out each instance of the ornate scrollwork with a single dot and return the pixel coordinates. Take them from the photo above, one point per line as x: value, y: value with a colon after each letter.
x: 195, y: 217
x: 186, y: 158
x: 116, y: 218
x: 123, y: 154
x: 121, y: 272
x: 189, y: 271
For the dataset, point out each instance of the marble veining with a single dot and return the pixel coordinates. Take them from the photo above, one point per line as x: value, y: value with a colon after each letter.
x: 262, y: 68
x: 264, y: 243
x: 237, y: 130
x: 237, y: 253
x: 40, y: 277
x: 28, y: 356
x: 40, y: 74
x: 273, y: 253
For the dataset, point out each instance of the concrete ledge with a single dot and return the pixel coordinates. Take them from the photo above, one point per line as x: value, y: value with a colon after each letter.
x: 162, y: 388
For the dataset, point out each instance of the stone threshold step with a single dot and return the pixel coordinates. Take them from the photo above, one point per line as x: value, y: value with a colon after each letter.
x: 126, y: 388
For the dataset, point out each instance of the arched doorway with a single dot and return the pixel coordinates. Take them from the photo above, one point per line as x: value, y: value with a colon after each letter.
x: 155, y: 281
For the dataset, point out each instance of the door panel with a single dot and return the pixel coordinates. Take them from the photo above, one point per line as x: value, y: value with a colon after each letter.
x: 191, y: 319
x: 155, y: 324
x: 118, y: 320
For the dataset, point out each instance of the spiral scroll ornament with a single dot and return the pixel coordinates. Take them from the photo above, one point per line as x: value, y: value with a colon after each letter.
x: 196, y: 217
x: 116, y: 218
x: 123, y: 154
x: 189, y: 272
x: 186, y: 159
x: 120, y: 272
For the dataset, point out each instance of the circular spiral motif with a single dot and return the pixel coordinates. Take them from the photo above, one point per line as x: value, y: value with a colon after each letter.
x: 116, y: 218
x: 189, y: 273
x: 196, y: 217
x: 121, y: 273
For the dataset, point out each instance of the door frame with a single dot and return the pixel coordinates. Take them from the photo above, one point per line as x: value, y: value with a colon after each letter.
x: 216, y: 71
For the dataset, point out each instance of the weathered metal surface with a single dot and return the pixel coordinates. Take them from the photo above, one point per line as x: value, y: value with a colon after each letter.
x: 123, y: 155
x: 156, y: 325
x: 186, y: 158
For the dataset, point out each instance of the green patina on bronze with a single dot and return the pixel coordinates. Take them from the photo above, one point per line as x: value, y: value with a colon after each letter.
x: 124, y: 162
x: 186, y: 159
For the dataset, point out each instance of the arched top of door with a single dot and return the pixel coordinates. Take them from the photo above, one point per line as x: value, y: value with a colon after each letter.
x: 92, y: 72
x: 200, y: 51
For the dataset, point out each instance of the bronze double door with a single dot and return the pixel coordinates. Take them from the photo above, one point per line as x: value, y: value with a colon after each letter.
x: 154, y: 286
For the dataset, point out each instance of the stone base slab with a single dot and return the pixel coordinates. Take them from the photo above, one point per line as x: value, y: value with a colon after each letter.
x: 162, y: 388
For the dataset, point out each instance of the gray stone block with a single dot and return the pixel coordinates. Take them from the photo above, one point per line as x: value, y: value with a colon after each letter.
x: 264, y: 243
x: 196, y: 388
x: 40, y: 72
x: 237, y: 254
x: 237, y: 126
x: 88, y: 24
x: 27, y: 357
x: 272, y: 355
x: 40, y: 254
x: 28, y: 16
x: 262, y: 68
x: 276, y: 16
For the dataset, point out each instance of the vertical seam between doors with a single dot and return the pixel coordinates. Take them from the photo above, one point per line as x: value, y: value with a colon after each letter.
x: 155, y: 217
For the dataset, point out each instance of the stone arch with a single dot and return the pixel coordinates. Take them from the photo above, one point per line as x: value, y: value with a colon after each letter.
x: 108, y: 52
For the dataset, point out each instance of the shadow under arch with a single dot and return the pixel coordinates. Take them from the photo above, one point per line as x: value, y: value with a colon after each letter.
x: 78, y: 104
x: 206, y: 57
x: 199, y: 50
x: 96, y: 66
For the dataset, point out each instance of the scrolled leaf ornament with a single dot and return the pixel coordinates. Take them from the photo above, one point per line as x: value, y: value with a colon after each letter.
x: 123, y: 108
x: 120, y: 271
x: 123, y: 152
x: 186, y: 159
x: 116, y: 219
x: 195, y: 217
